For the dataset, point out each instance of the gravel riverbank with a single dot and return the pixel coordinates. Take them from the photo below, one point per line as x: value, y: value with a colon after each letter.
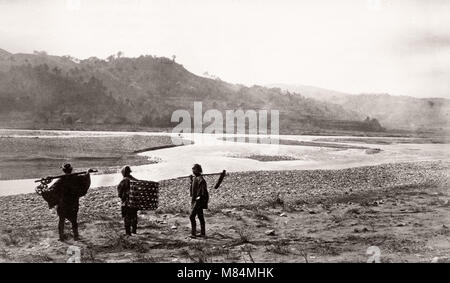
x: 276, y: 216
x: 257, y: 189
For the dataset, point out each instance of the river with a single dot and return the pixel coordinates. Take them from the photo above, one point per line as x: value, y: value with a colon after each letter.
x: 216, y: 155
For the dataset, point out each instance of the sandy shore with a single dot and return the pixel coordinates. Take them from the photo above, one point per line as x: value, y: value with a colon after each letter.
x: 288, y: 216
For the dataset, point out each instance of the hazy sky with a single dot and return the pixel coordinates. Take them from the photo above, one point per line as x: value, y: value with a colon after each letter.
x: 399, y: 47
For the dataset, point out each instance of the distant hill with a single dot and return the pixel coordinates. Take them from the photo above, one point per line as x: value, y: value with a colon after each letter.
x: 311, y: 91
x: 4, y: 53
x: 144, y: 91
x: 395, y: 112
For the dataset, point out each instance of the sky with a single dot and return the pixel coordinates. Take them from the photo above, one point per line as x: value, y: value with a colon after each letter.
x: 356, y: 46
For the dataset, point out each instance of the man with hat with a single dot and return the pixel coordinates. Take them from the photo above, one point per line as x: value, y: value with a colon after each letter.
x: 69, y: 189
x: 199, y: 200
x: 129, y: 213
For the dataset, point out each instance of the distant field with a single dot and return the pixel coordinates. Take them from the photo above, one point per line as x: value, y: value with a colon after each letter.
x: 420, y: 140
x: 25, y: 157
x: 265, y: 140
x: 265, y: 158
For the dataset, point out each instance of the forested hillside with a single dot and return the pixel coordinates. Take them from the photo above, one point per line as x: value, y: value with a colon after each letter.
x: 141, y: 91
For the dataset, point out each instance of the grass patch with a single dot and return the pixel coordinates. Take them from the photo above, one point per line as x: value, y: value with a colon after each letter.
x: 280, y: 248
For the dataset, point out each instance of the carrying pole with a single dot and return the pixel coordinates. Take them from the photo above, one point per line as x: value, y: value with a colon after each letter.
x: 224, y: 172
x: 48, y: 179
x: 222, y: 175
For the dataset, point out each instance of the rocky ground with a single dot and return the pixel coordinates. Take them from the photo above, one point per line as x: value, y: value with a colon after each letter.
x: 281, y: 216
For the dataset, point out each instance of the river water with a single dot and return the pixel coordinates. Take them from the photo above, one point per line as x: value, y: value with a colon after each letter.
x: 216, y: 155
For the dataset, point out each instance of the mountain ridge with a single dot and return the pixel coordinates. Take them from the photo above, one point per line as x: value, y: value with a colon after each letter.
x: 393, y: 111
x: 145, y: 90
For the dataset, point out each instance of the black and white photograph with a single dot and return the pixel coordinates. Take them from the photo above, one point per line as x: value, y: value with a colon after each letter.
x: 224, y: 132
